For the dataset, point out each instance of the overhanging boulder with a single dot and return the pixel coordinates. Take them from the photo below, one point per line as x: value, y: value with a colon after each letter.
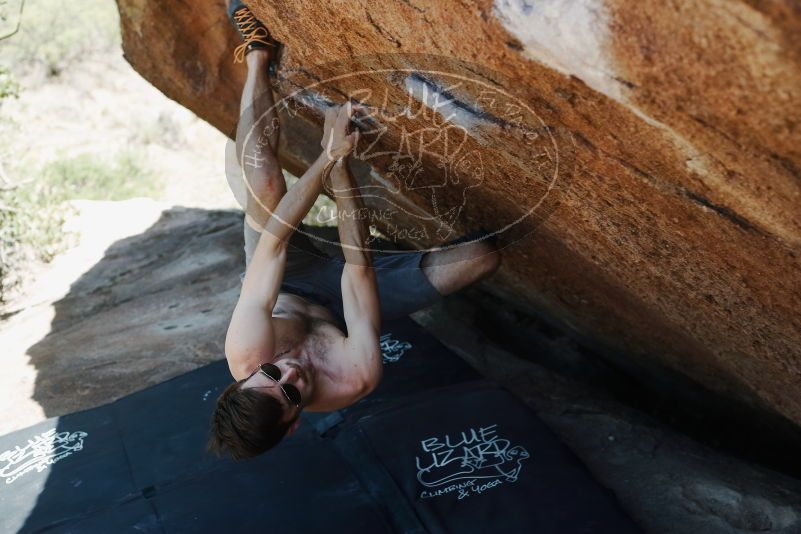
x: 656, y: 161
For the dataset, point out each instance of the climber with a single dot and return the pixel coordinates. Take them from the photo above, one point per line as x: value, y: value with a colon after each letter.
x: 304, y: 334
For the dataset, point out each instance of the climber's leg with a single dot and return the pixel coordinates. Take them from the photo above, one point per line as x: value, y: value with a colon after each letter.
x: 454, y: 268
x: 258, y: 129
x: 416, y: 280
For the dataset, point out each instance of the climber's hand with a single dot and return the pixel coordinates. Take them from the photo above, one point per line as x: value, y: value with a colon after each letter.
x: 338, y: 141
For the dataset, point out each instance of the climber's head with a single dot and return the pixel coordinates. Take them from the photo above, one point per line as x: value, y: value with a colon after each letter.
x: 254, y: 414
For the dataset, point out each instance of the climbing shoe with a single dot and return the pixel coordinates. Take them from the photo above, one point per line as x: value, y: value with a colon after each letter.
x: 254, y: 34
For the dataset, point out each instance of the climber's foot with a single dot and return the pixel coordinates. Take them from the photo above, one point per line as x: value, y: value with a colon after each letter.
x: 255, y: 35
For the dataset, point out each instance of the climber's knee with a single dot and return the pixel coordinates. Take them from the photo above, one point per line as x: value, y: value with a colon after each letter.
x: 453, y: 269
x: 267, y: 184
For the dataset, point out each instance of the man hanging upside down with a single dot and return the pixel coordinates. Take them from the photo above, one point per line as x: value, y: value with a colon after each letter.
x: 305, y: 332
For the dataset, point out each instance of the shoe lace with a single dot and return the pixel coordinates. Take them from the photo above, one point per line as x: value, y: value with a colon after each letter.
x: 252, y: 32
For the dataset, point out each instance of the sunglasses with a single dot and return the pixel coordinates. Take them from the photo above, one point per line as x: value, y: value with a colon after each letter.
x: 274, y: 373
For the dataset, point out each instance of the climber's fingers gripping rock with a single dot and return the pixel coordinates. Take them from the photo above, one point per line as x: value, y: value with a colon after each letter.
x: 339, y: 139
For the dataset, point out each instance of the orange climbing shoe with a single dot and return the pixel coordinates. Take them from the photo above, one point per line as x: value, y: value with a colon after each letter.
x: 255, y: 35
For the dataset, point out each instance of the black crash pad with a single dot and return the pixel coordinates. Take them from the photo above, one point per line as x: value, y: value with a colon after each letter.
x: 433, y: 449
x: 471, y: 454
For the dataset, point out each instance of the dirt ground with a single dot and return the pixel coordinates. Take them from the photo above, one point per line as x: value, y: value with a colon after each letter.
x: 100, y: 106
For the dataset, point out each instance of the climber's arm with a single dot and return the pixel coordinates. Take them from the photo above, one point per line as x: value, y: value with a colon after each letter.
x: 360, y: 300
x: 297, y: 202
x: 250, y: 339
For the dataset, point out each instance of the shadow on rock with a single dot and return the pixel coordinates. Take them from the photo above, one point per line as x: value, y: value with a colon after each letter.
x: 157, y: 305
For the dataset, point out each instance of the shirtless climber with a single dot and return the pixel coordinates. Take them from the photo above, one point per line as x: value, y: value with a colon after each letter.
x: 286, y: 344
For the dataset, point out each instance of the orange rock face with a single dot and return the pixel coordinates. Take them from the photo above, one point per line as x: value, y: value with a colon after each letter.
x: 641, y: 160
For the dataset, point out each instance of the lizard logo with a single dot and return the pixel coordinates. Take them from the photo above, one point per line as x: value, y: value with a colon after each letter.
x: 470, y: 463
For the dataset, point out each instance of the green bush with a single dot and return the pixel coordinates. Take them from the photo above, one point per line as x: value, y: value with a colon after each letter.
x: 92, y: 178
x: 32, y: 214
x: 53, y: 34
x: 8, y: 84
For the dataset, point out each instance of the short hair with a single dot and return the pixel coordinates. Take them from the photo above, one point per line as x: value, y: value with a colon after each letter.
x: 246, y: 423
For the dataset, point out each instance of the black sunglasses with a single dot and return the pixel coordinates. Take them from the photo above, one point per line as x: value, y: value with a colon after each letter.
x: 274, y: 373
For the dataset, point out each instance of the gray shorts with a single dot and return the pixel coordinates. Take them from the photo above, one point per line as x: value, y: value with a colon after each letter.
x: 403, y: 287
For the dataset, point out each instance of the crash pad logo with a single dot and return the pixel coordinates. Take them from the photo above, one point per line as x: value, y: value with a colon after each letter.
x: 40, y: 452
x: 392, y: 349
x: 468, y: 463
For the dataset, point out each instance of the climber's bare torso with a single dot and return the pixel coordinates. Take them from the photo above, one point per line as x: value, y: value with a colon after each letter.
x: 304, y: 327
x: 309, y: 342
